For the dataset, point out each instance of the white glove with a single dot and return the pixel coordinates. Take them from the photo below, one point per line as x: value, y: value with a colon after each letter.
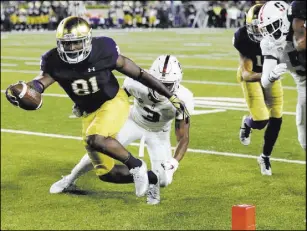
x: 170, y: 166
x: 279, y: 70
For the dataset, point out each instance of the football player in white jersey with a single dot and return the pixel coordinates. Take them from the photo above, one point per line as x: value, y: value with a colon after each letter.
x: 150, y: 120
x: 281, y: 57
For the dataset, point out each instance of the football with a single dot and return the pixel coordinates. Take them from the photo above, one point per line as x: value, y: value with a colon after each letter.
x: 28, y: 98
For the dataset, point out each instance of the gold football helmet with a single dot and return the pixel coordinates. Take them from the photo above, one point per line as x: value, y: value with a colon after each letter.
x: 252, y: 23
x: 74, y: 39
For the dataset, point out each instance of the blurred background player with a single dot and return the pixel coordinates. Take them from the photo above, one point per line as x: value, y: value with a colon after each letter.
x: 138, y: 14
x: 76, y: 8
x: 265, y: 107
x: 128, y: 14
x: 152, y: 16
x: 297, y: 18
x: 280, y: 57
x: 112, y: 16
x: 45, y: 14
x: 150, y: 119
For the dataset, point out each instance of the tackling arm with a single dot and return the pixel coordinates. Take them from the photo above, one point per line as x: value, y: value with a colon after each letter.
x: 268, y: 66
x: 128, y: 67
x: 182, y: 133
x: 248, y: 75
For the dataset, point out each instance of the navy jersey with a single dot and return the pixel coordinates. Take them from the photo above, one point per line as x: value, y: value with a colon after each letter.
x: 297, y: 9
x: 91, y: 82
x: 248, y: 48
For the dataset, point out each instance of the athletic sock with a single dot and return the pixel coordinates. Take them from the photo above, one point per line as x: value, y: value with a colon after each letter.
x: 132, y: 162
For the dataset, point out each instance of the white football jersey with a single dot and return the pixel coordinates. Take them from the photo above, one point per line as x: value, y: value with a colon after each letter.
x: 285, y: 53
x: 153, y: 115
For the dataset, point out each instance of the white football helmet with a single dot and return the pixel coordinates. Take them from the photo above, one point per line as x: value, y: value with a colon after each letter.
x: 167, y: 69
x: 273, y: 20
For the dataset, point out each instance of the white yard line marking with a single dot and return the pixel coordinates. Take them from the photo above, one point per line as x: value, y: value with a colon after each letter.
x: 208, y: 102
x: 137, y: 144
x: 183, y: 81
x: 8, y: 64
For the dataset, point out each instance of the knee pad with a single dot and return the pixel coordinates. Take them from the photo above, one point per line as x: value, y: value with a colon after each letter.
x: 96, y: 142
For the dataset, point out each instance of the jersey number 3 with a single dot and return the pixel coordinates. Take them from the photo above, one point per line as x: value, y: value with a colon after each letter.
x: 151, y: 116
x: 81, y: 86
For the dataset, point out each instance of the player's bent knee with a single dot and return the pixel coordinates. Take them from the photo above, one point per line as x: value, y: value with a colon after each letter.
x: 96, y: 142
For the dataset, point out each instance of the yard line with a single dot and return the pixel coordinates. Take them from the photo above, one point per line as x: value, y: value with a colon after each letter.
x: 183, y: 81
x: 142, y: 64
x: 237, y: 108
x: 199, y: 104
x: 201, y: 151
x: 8, y: 64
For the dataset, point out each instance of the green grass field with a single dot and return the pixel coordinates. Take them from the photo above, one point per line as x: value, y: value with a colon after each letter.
x: 210, y: 179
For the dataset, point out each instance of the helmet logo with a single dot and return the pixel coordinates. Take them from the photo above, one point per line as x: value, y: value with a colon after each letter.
x: 279, y: 6
x: 70, y: 36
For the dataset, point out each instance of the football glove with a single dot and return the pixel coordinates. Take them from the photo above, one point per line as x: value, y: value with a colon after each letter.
x: 10, y: 97
x: 180, y: 107
x: 170, y: 166
x: 279, y: 70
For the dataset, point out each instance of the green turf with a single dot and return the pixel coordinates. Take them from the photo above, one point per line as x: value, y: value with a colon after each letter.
x: 205, y: 186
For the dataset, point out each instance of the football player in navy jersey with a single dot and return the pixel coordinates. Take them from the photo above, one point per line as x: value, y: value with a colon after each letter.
x: 297, y: 17
x: 265, y: 107
x: 83, y: 65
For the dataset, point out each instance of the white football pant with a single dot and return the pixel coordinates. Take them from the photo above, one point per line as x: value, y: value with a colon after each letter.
x: 301, y: 114
x: 158, y: 145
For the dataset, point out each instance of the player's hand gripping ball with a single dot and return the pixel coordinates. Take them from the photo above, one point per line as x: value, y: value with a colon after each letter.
x: 24, y: 96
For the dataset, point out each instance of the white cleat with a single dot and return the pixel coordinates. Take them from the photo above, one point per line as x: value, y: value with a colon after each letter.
x: 245, y: 133
x: 265, y: 165
x: 140, y: 179
x: 63, y: 185
x: 153, y: 194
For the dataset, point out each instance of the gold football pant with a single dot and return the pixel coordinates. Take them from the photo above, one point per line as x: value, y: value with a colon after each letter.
x: 106, y: 121
x: 262, y: 103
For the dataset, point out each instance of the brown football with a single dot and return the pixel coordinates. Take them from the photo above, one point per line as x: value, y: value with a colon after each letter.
x: 28, y: 98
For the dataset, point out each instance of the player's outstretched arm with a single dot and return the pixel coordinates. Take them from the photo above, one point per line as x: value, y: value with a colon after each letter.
x: 41, y: 82
x: 128, y: 67
x: 246, y: 66
x: 182, y: 133
x: 182, y: 128
x: 271, y: 71
x: 23, y: 94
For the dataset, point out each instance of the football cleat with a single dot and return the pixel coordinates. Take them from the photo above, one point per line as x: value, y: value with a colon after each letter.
x: 140, y: 179
x: 63, y: 185
x: 265, y: 165
x: 153, y: 194
x: 245, y: 133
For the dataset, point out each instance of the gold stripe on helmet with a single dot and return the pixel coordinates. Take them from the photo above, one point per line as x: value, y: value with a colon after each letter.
x: 250, y: 16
